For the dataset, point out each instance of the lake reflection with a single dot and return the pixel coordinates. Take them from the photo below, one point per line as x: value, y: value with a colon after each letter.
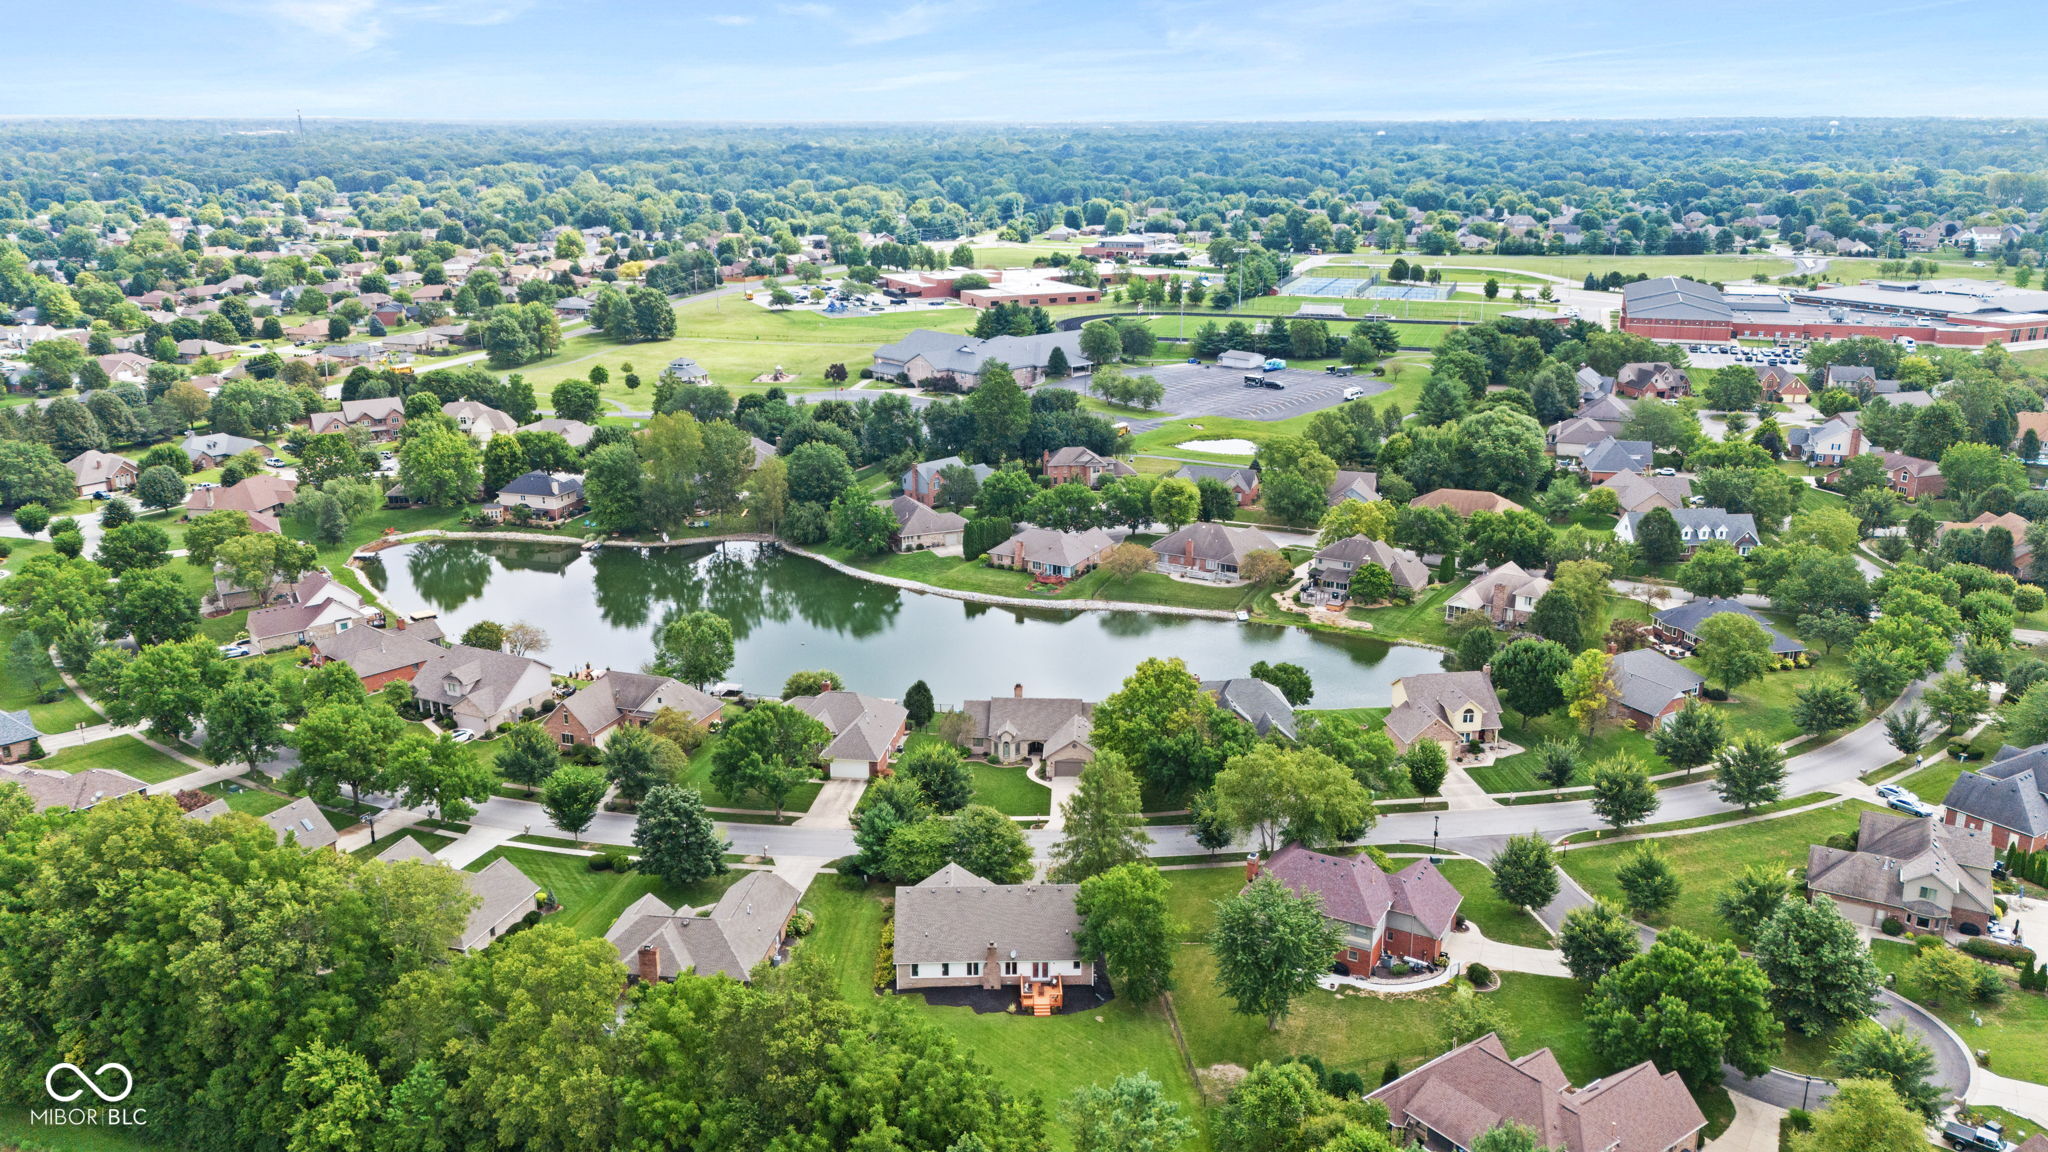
x: 791, y: 613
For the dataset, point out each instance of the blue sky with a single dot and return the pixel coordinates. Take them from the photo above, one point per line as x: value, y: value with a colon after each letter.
x: 1023, y: 60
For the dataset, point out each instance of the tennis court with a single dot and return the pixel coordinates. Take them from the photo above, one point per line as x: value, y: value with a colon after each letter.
x: 1411, y: 291
x: 1349, y: 287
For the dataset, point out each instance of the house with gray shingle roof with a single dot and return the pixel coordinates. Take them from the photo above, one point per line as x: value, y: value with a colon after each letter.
x: 866, y: 731
x: 922, y: 483
x: 736, y: 935
x: 591, y: 715
x: 1051, y: 554
x: 1933, y: 877
x: 1207, y: 551
x: 1334, y: 565
x: 1610, y: 456
x: 2004, y: 799
x: 1353, y: 485
x: 1636, y: 492
x: 1651, y: 687
x: 1697, y: 526
x: 18, y: 736
x: 1452, y: 708
x: 1406, y: 914
x: 920, y: 527
x: 1680, y: 625
x: 956, y: 930
x: 1242, y: 482
x: 1015, y: 728
x: 1255, y: 702
x: 1459, y: 1096
x: 77, y: 791
x: 927, y: 356
x: 478, y: 688
x: 504, y: 894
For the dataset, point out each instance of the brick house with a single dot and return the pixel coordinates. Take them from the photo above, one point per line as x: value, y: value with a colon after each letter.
x: 1454, y: 709
x: 1650, y: 688
x: 1017, y: 728
x: 956, y: 930
x: 922, y: 483
x: 1407, y: 914
x: 733, y: 937
x: 1931, y: 876
x: 18, y: 736
x: 920, y: 527
x: 1507, y: 595
x: 1242, y: 482
x: 95, y: 471
x: 1209, y: 551
x: 624, y: 700
x: 1048, y: 554
x: 1909, y: 476
x: 866, y: 731
x: 2003, y: 798
x: 1079, y: 465
x: 380, y: 418
x: 1653, y: 379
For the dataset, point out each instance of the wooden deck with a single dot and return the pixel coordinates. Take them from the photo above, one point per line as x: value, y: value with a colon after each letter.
x: 1042, y: 998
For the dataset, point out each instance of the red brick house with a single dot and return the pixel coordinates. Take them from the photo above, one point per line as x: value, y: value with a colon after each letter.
x: 624, y: 699
x: 1909, y: 476
x: 2004, y: 798
x: 1382, y: 916
x: 1654, y: 379
x: 1081, y: 466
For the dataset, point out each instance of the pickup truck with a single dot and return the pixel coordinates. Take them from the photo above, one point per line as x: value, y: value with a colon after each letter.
x: 1989, y: 1138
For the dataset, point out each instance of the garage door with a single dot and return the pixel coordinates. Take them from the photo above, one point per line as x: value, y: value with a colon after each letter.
x: 1068, y: 767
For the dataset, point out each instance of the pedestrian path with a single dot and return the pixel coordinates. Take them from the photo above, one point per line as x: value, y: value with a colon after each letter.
x: 390, y: 823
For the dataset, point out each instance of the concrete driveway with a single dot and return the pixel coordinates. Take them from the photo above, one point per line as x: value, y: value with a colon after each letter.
x: 834, y: 806
x: 1754, y: 1129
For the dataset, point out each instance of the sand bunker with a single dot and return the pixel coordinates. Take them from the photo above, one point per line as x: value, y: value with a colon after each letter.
x: 1221, y: 447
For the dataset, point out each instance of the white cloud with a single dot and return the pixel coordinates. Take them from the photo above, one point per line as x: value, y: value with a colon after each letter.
x: 731, y: 20
x: 359, y: 25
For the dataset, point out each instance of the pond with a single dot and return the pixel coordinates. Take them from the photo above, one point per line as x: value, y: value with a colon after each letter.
x: 790, y: 613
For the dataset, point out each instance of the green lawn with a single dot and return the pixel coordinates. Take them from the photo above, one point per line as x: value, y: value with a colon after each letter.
x: 849, y: 931
x: 63, y: 714
x: 1517, y: 773
x: 1765, y: 706
x: 1422, y: 620
x: 1933, y: 782
x: 431, y: 841
x: 1049, y: 1057
x: 1007, y: 789
x: 16, y: 1132
x: 1497, y: 918
x: 977, y: 576
x: 591, y: 901
x: 254, y: 801
x: 2013, y: 1033
x: 1192, y: 894
x: 1704, y: 861
x: 121, y: 753
x: 699, y: 777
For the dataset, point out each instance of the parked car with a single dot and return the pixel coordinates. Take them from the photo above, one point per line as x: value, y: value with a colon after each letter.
x: 1353, y: 393
x: 274, y: 461
x: 1911, y: 805
x: 1888, y: 791
x: 1987, y: 1138
x: 1275, y: 385
x: 1667, y: 471
x: 233, y: 651
x: 462, y: 735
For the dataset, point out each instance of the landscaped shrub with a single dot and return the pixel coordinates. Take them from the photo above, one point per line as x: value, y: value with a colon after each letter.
x: 1397, y: 969
x: 1714, y: 693
x: 1344, y: 1085
x: 802, y: 923
x: 602, y: 862
x: 1893, y: 926
x: 885, y: 956
x: 619, y: 860
x: 2016, y: 955
x: 1480, y: 975
x: 1390, y: 1073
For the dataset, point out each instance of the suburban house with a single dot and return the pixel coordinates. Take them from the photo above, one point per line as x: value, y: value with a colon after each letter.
x: 1353, y: 485
x: 96, y: 471
x: 300, y: 822
x: 380, y: 655
x: 1465, y: 501
x: 550, y: 496
x: 1680, y: 625
x: 1655, y: 379
x: 481, y: 421
x: 576, y: 432
x: 1610, y: 457
x: 262, y: 495
x: 1909, y: 476
x: 48, y: 788
x: 1506, y: 594
x: 1571, y: 438
x: 1255, y: 702
x: 2014, y: 524
x: 380, y: 418
x: 921, y: 482
x: 1455, y: 709
x: 1781, y: 385
x: 314, y: 608
x: 1204, y: 551
x: 1016, y: 728
x: 1828, y: 444
x: 925, y: 356
x: 18, y: 736
x: 1335, y: 564
x: 1454, y: 1099
x: 1650, y: 687
x: 1697, y: 526
x: 214, y: 450
x: 624, y: 699
x: 866, y: 731
x: 1076, y: 465
x: 1637, y: 492
x: 480, y: 689
x: 919, y: 526
x: 1242, y: 482
x: 1053, y: 555
x: 956, y: 930
x: 738, y: 934
x: 1931, y: 876
x: 1607, y: 408
x: 1406, y: 914
x: 504, y: 894
x: 2037, y: 423
x: 2005, y: 798
x: 1850, y: 377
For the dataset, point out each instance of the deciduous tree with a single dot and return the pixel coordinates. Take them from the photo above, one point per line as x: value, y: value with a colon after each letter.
x: 1125, y: 918
x: 1270, y: 947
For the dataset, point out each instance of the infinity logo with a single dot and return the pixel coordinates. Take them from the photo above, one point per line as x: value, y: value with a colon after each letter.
x: 50, y: 1082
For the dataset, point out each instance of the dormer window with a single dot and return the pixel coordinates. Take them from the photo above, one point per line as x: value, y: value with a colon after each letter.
x: 1470, y: 717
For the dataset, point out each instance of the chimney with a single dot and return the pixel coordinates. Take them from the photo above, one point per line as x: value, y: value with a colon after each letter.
x: 1017, y: 690
x: 650, y: 964
x: 1251, y: 867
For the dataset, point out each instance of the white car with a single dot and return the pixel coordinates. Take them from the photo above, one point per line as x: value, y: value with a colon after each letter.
x: 1667, y: 471
x: 233, y: 651
x: 274, y: 461
x: 462, y: 735
x: 1887, y: 791
x: 1353, y: 392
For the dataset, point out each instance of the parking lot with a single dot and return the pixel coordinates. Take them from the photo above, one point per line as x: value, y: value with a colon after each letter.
x: 1207, y: 390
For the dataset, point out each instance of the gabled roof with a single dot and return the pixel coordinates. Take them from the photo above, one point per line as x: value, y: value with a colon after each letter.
x: 2006, y: 792
x: 1688, y: 617
x: 614, y: 694
x: 862, y: 727
x: 16, y: 727
x: 96, y: 467
x: 1214, y: 542
x: 1431, y: 697
x: 1061, y: 549
x: 742, y: 930
x: 1613, y: 455
x: 302, y: 821
x: 1648, y: 681
x: 1476, y: 1087
x: 220, y: 446
x: 1465, y: 501
x: 1639, y: 493
x: 47, y: 788
x: 915, y: 518
x: 576, y: 432
x: 1355, y: 891
x: 955, y: 915
x: 480, y: 677
x: 1243, y: 479
x: 1255, y: 702
x: 1702, y: 524
x: 1891, y: 850
x: 551, y: 484
x: 1353, y: 485
x: 1510, y: 576
x: 1033, y: 719
x: 1404, y: 566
